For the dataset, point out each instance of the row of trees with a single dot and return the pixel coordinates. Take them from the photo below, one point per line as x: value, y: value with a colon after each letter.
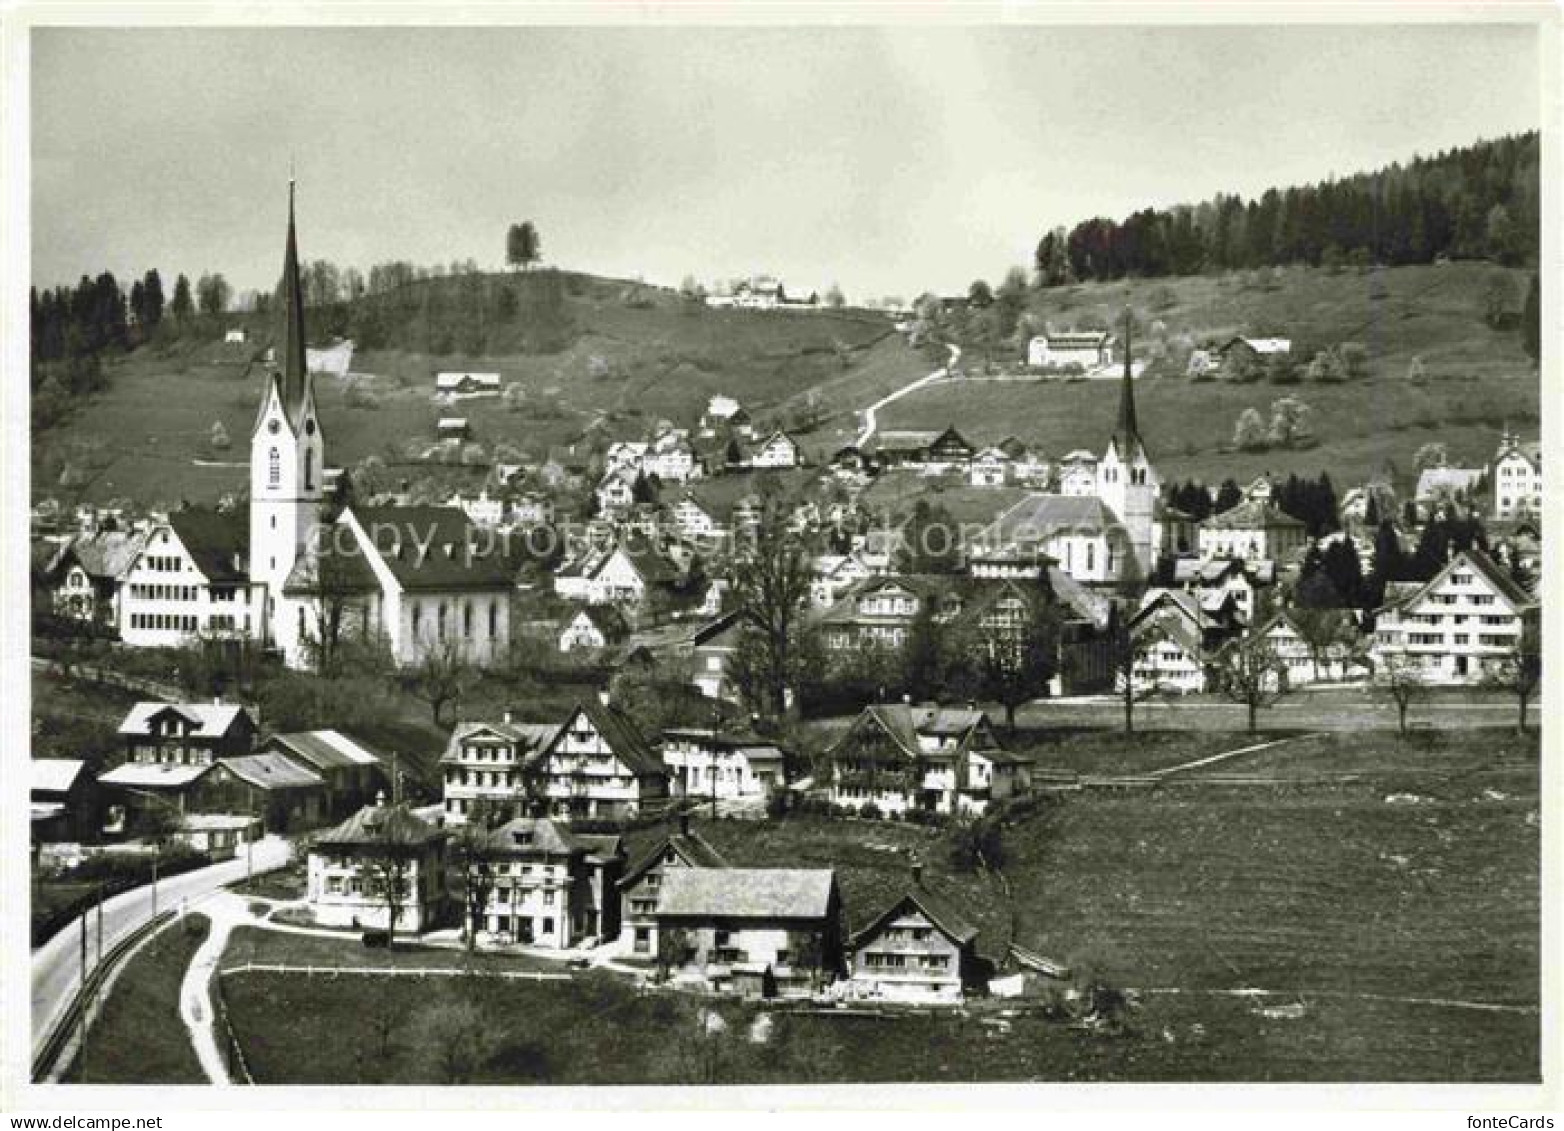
x: 1479, y: 201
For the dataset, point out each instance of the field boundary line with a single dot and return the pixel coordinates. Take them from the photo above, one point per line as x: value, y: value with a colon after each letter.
x: 1225, y: 755
x: 1351, y: 995
x: 407, y: 971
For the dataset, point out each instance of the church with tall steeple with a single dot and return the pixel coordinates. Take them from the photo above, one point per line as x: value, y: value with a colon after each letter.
x: 1127, y: 483
x: 287, y: 455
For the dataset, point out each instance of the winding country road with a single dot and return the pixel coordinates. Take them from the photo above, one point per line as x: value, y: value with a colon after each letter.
x: 869, y: 423
x: 56, y: 973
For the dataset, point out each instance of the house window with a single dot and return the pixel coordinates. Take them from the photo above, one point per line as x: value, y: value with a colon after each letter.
x: 273, y: 468
x: 467, y: 618
x: 440, y: 627
x: 493, y: 619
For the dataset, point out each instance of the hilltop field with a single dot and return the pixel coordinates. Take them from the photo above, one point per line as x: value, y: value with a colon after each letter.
x: 1477, y: 379
x: 640, y: 354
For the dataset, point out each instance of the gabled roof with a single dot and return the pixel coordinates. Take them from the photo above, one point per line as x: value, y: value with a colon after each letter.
x: 105, y: 555
x: 689, y: 847
x: 217, y: 541
x: 1252, y: 514
x: 271, y: 771
x: 55, y: 775
x: 617, y: 729
x: 723, y: 631
x: 904, y: 722
x: 1491, y: 571
x: 942, y: 914
x: 154, y: 775
x: 536, y: 834
x: 527, y: 737
x: 435, y: 548
x: 212, y: 720
x: 1432, y: 480
x: 1037, y: 516
x: 327, y: 749
x: 747, y: 893
x: 381, y: 824
x: 608, y: 620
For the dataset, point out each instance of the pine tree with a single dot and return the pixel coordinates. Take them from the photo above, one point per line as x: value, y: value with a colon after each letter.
x: 182, y: 306
x: 1531, y: 321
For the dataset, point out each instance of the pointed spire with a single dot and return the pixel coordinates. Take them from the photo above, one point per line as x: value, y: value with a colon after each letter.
x: 293, y: 362
x: 1126, y: 434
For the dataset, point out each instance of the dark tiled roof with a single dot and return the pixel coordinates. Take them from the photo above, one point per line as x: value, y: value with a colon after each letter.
x: 689, y: 847
x: 380, y: 824
x: 218, y: 541
x: 937, y: 910
x: 747, y: 893
x: 326, y: 749
x: 624, y: 738
x: 457, y: 553
x: 1253, y: 514
x: 271, y: 771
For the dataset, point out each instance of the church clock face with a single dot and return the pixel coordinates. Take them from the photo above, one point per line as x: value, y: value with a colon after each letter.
x: 309, y: 428
x: 273, y: 427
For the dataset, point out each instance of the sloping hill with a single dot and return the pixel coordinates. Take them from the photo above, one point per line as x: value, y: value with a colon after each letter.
x: 629, y: 354
x: 1477, y: 378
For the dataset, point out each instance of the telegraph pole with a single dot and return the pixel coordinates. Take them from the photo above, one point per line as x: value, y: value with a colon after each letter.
x: 81, y: 1052
x: 100, y: 922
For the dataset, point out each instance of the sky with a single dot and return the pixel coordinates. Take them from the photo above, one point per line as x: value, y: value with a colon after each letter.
x: 887, y: 160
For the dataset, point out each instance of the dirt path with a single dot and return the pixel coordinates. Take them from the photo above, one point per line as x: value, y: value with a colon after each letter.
x: 1225, y: 755
x: 869, y: 424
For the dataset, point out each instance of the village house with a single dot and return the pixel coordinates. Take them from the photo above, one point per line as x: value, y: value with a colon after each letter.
x: 87, y: 573
x: 1237, y: 353
x: 483, y: 768
x: 1256, y: 529
x: 623, y: 574
x: 592, y: 629
x: 234, y: 336
x: 1026, y: 464
x: 482, y: 510
x: 462, y: 386
x: 552, y: 887
x: 758, y: 932
x: 692, y: 521
x: 351, y: 771
x: 532, y: 509
x: 1175, y: 637
x: 775, y: 451
x: 991, y: 467
x: 671, y: 458
x: 1516, y: 478
x: 189, y: 577
x: 723, y: 415
x: 641, y: 884
x: 1297, y: 659
x: 1084, y: 349
x: 919, y: 949
x: 712, y: 647
x: 1459, y: 624
x: 714, y: 765
x: 834, y: 575
x: 616, y: 493
x: 902, y: 758
x: 271, y: 787
x: 597, y: 764
x: 1215, y: 580
x: 452, y: 429
x: 1078, y: 474
x: 220, y: 835
x: 379, y: 850
x: 1448, y: 490
x: 62, y: 801
x: 1354, y: 509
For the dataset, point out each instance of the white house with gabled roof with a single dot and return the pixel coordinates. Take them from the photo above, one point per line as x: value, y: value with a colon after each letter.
x: 1465, y: 620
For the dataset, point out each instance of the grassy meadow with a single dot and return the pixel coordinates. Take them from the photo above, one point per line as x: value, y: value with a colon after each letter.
x: 1374, y: 929
x: 138, y: 1038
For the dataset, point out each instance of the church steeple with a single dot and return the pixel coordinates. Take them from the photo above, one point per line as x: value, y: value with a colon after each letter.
x: 1126, y: 434
x: 293, y: 364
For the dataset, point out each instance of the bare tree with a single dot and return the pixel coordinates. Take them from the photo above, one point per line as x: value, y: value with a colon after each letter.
x: 474, y: 853
x: 1012, y: 664
x: 459, y: 1038
x: 771, y: 581
x: 1249, y: 672
x: 1401, y: 680
x: 331, y: 588
x: 391, y: 867
x: 1519, y: 671
x: 439, y: 678
x: 1125, y: 650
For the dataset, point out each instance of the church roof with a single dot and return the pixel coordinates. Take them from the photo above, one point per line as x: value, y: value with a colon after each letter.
x: 1126, y: 432
x: 436, y: 548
